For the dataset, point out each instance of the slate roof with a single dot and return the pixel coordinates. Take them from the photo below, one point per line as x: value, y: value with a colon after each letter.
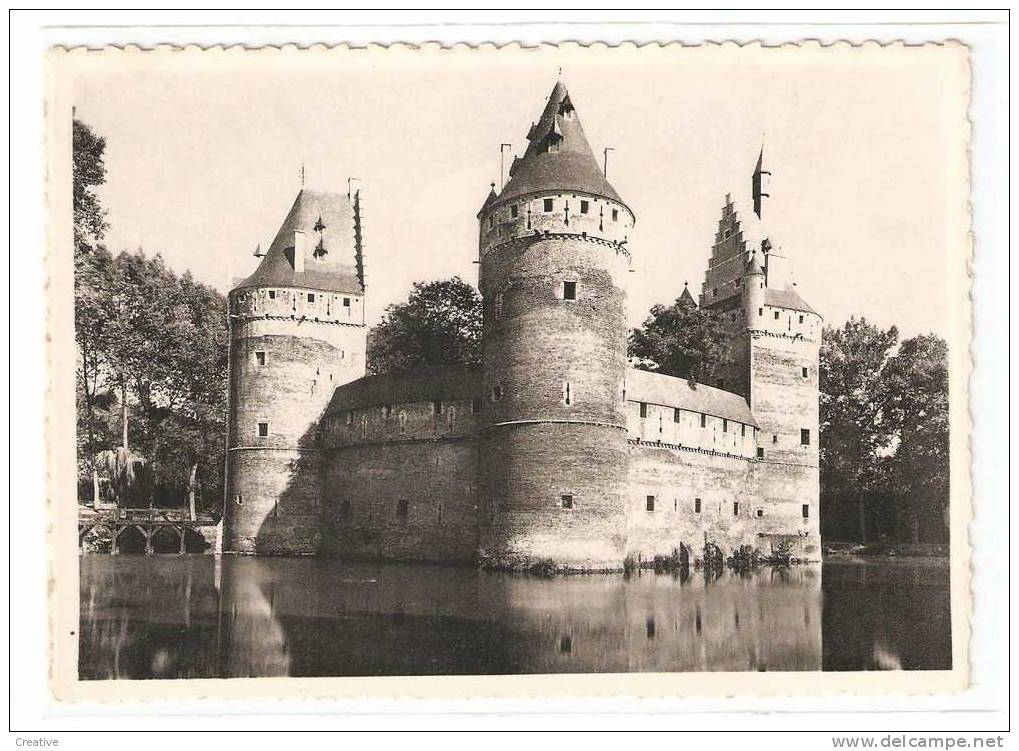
x: 786, y: 298
x: 336, y: 270
x: 421, y: 385
x: 669, y: 391
x: 573, y: 167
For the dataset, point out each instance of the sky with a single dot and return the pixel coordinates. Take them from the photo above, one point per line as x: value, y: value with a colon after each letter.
x: 866, y: 147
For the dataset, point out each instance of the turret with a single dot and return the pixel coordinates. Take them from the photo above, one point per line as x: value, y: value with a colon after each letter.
x: 297, y: 331
x: 753, y: 293
x: 553, y: 261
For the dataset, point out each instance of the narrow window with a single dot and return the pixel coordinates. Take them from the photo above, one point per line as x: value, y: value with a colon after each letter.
x: 402, y: 507
x: 803, y: 372
x: 760, y: 513
x: 569, y: 290
x: 615, y: 215
x: 260, y: 358
x: 776, y: 315
x: 403, y: 422
x: 735, y: 508
x: 566, y: 499
x: 725, y: 426
x: 514, y: 210
x: 475, y: 406
x: 704, y: 420
x: 675, y: 414
x: 742, y: 431
x: 346, y: 302
x: 439, y: 512
x: 643, y: 409
x: 437, y: 407
x: 805, y: 510
x: 491, y: 222
x: 364, y: 426
x: 760, y: 311
x: 650, y: 503
x: 547, y: 204
x: 567, y: 395
x: 311, y: 297
x: 760, y: 452
x: 774, y: 437
x: 350, y: 417
x: 801, y: 319
x: 272, y: 294
x: 565, y: 645
x: 388, y: 410
x: 696, y: 505
x: 263, y: 430
x: 497, y: 393
x: 585, y: 206
x: 804, y: 437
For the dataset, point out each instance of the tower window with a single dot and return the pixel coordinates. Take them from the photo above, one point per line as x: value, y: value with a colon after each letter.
x: 346, y: 302
x: 675, y: 414
x: 491, y: 222
x: 263, y: 430
x: 725, y: 426
x: 566, y: 500
x: 650, y: 503
x: 514, y: 211
x: 805, y: 510
x: 260, y: 358
x: 585, y: 206
x: 803, y: 371
x: 643, y: 409
x: 403, y: 422
x: 272, y: 294
x: 704, y: 420
x: 569, y: 290
x: 402, y: 507
x: 776, y: 315
x: 760, y: 452
x: 742, y: 431
x: 437, y: 407
x: 475, y: 406
x: 760, y: 311
x: 696, y: 505
x: 547, y: 204
x: 497, y: 393
x: 760, y: 513
x: 774, y: 437
x: 615, y: 215
x: 735, y: 508
x: 311, y: 297
x: 801, y: 319
x: 804, y: 436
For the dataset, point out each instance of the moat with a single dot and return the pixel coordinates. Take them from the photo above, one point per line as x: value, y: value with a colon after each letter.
x: 197, y: 616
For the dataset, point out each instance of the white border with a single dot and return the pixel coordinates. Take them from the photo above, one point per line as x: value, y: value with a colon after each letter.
x: 982, y: 707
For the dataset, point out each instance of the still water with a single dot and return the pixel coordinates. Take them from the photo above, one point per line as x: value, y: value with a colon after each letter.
x: 204, y: 617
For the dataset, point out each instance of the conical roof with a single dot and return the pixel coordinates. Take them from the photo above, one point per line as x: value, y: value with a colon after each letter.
x: 686, y: 299
x: 753, y: 268
x: 492, y: 196
x: 569, y: 165
x: 328, y: 223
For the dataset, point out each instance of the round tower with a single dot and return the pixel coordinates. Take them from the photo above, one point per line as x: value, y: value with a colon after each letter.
x: 297, y: 331
x: 753, y: 293
x: 553, y: 261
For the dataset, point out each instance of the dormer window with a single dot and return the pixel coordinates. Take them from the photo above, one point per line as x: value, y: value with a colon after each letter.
x: 552, y: 146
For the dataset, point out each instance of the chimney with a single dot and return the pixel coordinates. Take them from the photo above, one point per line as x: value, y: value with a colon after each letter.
x: 299, y: 251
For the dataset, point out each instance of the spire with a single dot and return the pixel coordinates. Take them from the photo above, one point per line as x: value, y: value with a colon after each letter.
x: 753, y: 268
x: 492, y: 196
x: 558, y: 156
x: 686, y: 300
x: 756, y: 182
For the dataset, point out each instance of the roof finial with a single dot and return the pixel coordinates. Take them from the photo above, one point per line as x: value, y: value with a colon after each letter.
x: 302, y: 172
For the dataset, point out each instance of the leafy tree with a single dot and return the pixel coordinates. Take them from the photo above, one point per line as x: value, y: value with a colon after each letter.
x: 914, y: 399
x: 440, y: 324
x: 88, y: 171
x: 680, y: 340
x: 853, y: 428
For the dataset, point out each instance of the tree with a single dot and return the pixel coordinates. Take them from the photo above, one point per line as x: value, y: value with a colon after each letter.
x: 853, y: 428
x: 914, y: 402
x: 440, y: 324
x: 680, y: 340
x: 87, y: 172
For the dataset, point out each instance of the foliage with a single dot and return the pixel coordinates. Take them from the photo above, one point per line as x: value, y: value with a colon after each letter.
x: 884, y: 434
x: 440, y: 324
x: 680, y: 340
x: 151, y: 360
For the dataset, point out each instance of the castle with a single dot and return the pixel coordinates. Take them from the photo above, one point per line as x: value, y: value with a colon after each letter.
x: 555, y: 450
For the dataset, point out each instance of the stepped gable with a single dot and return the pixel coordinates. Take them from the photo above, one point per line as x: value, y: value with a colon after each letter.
x: 327, y: 221
x: 669, y: 391
x: 570, y: 166
x: 446, y: 382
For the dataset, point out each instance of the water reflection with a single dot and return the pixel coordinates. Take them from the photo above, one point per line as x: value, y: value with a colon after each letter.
x: 198, y: 616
